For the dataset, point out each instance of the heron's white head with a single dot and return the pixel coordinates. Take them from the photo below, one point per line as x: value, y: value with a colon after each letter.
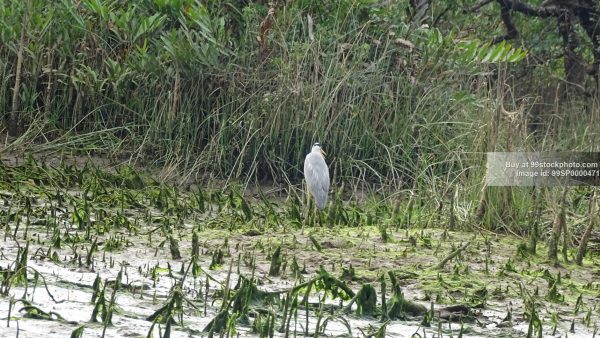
x: 317, y: 148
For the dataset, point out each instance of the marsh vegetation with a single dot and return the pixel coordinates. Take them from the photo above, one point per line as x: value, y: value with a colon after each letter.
x: 151, y: 172
x: 120, y: 254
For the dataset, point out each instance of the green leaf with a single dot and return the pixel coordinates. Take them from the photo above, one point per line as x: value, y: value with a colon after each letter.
x: 78, y: 332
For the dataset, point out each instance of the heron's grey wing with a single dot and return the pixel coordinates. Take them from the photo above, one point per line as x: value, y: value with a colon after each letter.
x: 316, y: 174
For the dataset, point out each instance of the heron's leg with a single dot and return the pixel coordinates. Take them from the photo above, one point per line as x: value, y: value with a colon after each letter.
x: 320, y: 215
x: 308, y: 211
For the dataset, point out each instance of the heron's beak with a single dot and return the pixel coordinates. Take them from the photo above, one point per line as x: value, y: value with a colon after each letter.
x: 323, y: 153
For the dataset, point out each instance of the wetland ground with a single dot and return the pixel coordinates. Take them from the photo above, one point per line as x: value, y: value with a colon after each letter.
x: 88, y: 252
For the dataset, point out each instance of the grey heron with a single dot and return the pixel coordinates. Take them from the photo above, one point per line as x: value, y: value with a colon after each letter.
x: 316, y: 174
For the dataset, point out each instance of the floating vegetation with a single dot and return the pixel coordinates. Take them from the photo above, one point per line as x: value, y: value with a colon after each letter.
x: 116, y: 253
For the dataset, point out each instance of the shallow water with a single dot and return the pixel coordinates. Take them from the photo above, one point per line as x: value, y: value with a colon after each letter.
x: 411, y: 253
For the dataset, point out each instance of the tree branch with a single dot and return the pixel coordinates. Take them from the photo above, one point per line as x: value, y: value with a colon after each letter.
x: 511, y: 29
x: 478, y: 6
x: 539, y: 11
x: 573, y: 62
x: 589, y: 19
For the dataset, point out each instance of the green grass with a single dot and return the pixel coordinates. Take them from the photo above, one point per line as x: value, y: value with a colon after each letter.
x: 186, y: 87
x: 177, y: 87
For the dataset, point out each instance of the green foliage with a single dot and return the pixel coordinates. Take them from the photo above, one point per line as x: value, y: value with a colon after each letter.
x: 366, y: 300
x: 476, y: 51
x: 78, y: 332
x: 187, y: 80
x: 398, y: 99
x: 276, y: 261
